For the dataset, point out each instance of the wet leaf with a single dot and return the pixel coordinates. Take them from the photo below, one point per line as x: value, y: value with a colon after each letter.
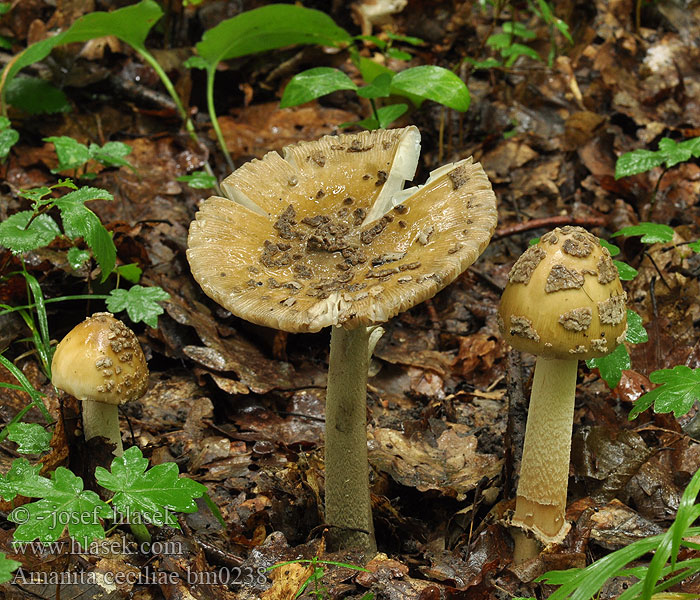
x: 652, y: 233
x: 31, y: 438
x: 679, y: 389
x: 7, y: 567
x: 314, y: 83
x: 429, y: 82
x: 36, y: 96
x: 17, y: 236
x: 611, y: 365
x: 139, y: 302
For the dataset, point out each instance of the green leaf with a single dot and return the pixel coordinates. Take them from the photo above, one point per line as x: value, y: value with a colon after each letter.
x: 636, y: 333
x: 406, y: 39
x: 7, y: 566
x: 379, y: 43
x: 611, y: 365
x: 23, y: 478
x: 694, y: 246
x: 267, y: 28
x: 77, y: 257
x: 130, y: 24
x: 389, y: 114
x: 16, y: 236
x: 71, y: 153
x: 612, y: 248
x: 131, y: 272
x: 489, y: 63
x: 514, y: 51
x: 429, y: 82
x: 379, y: 88
x: 8, y: 137
x: 625, y: 271
x: 140, y: 303
x: 36, y: 96
x: 5, y: 43
x: 195, y: 62
x: 651, y: 233
x: 65, y: 502
x: 397, y: 54
x: 314, y: 83
x: 637, y: 161
x: 520, y: 30
x: 79, y: 220
x: 499, y: 40
x: 32, y: 438
x: 370, y: 69
x: 111, y: 154
x: 679, y: 389
x: 151, y: 493
x: 673, y: 152
x: 199, y: 180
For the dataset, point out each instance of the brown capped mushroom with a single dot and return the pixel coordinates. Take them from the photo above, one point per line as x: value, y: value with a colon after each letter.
x: 323, y: 236
x: 100, y: 362
x: 564, y: 303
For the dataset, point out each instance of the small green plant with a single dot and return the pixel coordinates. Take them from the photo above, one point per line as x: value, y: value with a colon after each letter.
x: 72, y: 155
x: 663, y: 571
x: 7, y: 567
x: 678, y: 390
x: 669, y: 154
x: 8, y: 137
x: 314, y: 583
x: 141, y: 495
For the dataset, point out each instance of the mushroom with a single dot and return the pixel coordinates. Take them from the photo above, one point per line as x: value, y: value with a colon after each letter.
x: 100, y: 363
x: 324, y: 236
x: 564, y: 303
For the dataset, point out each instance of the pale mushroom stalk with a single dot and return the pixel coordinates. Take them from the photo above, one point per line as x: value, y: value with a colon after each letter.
x: 348, y: 505
x: 102, y: 420
x: 541, y: 497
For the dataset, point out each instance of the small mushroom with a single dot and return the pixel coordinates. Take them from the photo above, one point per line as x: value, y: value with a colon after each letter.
x: 340, y: 267
x: 100, y: 362
x: 564, y: 303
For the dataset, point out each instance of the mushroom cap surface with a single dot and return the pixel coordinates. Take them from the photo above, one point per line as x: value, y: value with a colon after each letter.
x: 100, y: 360
x: 325, y: 234
x: 564, y: 298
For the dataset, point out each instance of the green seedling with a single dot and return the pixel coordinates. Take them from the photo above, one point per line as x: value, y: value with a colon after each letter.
x: 8, y: 137
x: 72, y: 155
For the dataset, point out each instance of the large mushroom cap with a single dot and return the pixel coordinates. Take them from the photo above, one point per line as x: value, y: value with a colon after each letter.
x: 564, y: 298
x: 326, y: 235
x: 100, y: 360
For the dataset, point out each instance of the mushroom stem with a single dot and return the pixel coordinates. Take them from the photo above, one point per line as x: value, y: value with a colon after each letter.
x: 102, y: 420
x: 544, y: 472
x: 348, y: 505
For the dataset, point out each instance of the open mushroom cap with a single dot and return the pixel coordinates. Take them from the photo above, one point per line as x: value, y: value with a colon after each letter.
x: 326, y: 235
x: 100, y: 360
x: 564, y: 298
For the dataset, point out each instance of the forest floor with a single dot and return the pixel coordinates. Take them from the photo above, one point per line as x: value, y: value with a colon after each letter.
x: 240, y: 408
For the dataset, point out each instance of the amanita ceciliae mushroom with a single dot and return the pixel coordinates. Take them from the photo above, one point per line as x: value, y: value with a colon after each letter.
x: 100, y: 362
x: 324, y: 235
x: 564, y: 303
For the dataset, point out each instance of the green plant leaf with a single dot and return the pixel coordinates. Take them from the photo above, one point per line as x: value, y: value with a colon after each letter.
x: 389, y: 114
x: 267, y: 28
x: 499, y: 40
x: 674, y: 152
x: 611, y: 365
x: 612, y: 248
x: 111, y: 154
x: 430, y: 82
x: 489, y: 63
x: 8, y: 138
x: 652, y: 233
x: 80, y: 221
x: 16, y: 236
x: 694, y: 246
x: 679, y: 388
x: 636, y: 333
x: 195, y: 62
x: 199, y: 180
x: 406, y: 39
x: 515, y: 28
x: 32, y: 438
x: 7, y: 566
x: 637, y: 161
x: 36, y: 96
x: 379, y: 88
x: 64, y: 502
x: 130, y: 24
x: 140, y: 303
x: 370, y: 69
x: 131, y: 272
x: 23, y: 478
x: 397, y: 54
x: 77, y: 257
x: 314, y: 83
x: 379, y: 43
x: 151, y: 493
x: 625, y: 271
x: 71, y: 153
x: 514, y: 51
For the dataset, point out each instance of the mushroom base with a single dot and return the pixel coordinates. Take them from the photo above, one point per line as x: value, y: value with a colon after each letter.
x: 102, y: 420
x: 544, y: 472
x: 348, y: 505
